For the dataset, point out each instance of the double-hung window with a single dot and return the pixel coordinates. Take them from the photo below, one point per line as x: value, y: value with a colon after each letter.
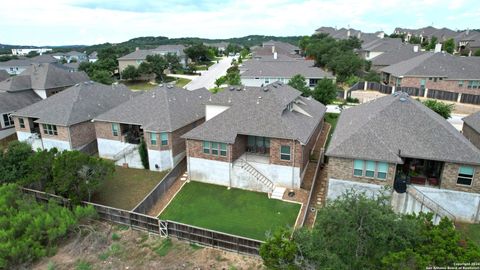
x: 21, y: 122
x: 115, y: 129
x: 214, y: 148
x: 465, y: 175
x: 382, y: 169
x: 153, y: 138
x: 285, y: 152
x: 7, y: 120
x: 206, y: 147
x: 370, y: 169
x: 223, y: 149
x: 50, y: 129
x: 164, y: 138
x: 358, y: 167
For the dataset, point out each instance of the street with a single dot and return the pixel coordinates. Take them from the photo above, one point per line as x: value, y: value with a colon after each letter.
x: 208, y: 77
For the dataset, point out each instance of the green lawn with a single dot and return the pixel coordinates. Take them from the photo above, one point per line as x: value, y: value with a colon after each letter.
x: 139, y: 85
x: 332, y: 119
x: 234, y: 211
x: 470, y: 231
x: 127, y: 187
x: 181, y: 82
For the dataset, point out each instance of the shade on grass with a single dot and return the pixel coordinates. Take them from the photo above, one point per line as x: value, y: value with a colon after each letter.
x: 127, y: 187
x: 470, y: 231
x: 332, y: 119
x: 234, y: 211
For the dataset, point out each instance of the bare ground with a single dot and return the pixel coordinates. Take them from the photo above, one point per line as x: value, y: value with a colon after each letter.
x: 131, y: 249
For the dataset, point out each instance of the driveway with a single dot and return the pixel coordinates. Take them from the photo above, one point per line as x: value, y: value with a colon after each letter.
x: 208, y: 77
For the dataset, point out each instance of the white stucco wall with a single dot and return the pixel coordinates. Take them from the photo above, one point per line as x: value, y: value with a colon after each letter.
x: 208, y: 171
x: 214, y: 110
x: 178, y: 158
x: 27, y: 137
x: 6, y: 132
x: 261, y: 80
x: 60, y: 145
x: 41, y: 93
x: 338, y: 187
x: 109, y: 148
x: 161, y: 158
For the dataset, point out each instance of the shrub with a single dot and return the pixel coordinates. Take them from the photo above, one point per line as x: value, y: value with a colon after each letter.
x: 142, y: 150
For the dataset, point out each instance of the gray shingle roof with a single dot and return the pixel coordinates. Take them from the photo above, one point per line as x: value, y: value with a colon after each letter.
x: 162, y: 109
x: 16, y: 83
x: 10, y: 102
x: 392, y: 127
x: 438, y: 65
x: 473, y: 120
x: 162, y: 49
x: 4, y: 75
x: 383, y: 45
x: 266, y: 116
x: 79, y: 103
x: 283, y: 68
x: 402, y: 53
x: 25, y: 62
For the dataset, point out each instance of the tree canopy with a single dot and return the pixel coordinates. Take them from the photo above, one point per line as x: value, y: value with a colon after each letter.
x: 298, y: 82
x: 443, y: 109
x: 325, y: 91
x: 449, y: 45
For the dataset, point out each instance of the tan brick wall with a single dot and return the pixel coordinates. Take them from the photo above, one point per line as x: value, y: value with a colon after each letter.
x: 471, y: 134
x: 103, y: 130
x: 122, y: 64
x: 82, y: 133
x: 445, y: 85
x: 450, y: 175
x: 63, y: 134
x: 178, y: 143
x: 195, y: 149
x: 158, y: 146
x: 239, y: 147
x: 28, y: 123
x: 295, y: 149
x: 342, y: 169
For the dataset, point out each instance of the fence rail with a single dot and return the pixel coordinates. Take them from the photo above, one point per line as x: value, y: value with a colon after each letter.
x: 429, y: 203
x: 161, y: 188
x: 163, y: 228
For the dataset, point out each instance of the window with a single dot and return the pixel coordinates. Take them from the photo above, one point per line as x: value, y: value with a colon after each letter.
x: 164, y: 138
x: 358, y: 167
x: 223, y: 149
x: 115, y: 129
x: 465, y: 175
x: 430, y: 78
x: 153, y: 138
x: 7, y: 120
x: 370, y: 169
x: 285, y: 152
x: 206, y: 147
x: 214, y: 148
x: 267, y: 80
x: 50, y: 129
x: 470, y: 84
x: 460, y: 83
x: 22, y: 122
x: 382, y: 169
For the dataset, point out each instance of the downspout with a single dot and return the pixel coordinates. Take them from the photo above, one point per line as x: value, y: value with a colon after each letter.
x: 230, y: 166
x: 293, y: 165
x: 70, y: 138
x: 188, y: 161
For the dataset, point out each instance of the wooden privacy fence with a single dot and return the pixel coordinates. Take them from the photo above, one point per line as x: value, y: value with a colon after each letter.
x: 138, y: 221
x: 161, y: 188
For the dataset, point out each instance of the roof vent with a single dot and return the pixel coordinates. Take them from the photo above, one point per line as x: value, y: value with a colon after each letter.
x: 161, y: 85
x: 402, y: 99
x: 231, y: 88
x: 265, y: 89
x: 77, y: 84
x: 274, y: 85
x: 239, y: 89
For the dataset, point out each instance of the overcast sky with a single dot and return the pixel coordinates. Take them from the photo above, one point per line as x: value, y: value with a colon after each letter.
x: 62, y: 22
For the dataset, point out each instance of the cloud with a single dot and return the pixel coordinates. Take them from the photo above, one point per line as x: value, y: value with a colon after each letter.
x: 57, y: 22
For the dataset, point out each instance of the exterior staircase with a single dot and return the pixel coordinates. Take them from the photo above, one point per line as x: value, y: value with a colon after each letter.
x: 125, y: 151
x: 258, y: 175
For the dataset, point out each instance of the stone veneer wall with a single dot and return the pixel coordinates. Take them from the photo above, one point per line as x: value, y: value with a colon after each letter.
x: 342, y: 169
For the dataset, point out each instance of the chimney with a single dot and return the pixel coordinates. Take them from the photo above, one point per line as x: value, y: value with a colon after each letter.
x: 275, y: 55
x: 381, y: 34
x: 137, y: 48
x: 468, y: 31
x: 348, y: 33
x: 273, y: 49
x: 438, y: 47
x: 415, y: 48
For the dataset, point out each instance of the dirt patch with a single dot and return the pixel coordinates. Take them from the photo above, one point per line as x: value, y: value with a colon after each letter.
x: 106, y: 246
x: 161, y: 204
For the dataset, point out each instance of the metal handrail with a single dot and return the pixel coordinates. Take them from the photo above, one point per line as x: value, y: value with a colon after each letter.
x: 440, y: 210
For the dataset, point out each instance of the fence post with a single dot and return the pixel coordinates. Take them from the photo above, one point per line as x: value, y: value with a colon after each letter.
x: 459, y: 97
x: 365, y: 86
x: 425, y: 94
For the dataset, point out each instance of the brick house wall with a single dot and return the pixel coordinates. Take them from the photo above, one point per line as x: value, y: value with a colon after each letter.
x: 472, y: 135
x: 82, y: 134
x: 63, y: 134
x: 27, y: 121
x: 195, y: 149
x: 450, y: 175
x: 295, y: 149
x: 445, y: 85
x: 103, y: 130
x: 122, y: 64
x: 342, y: 169
x: 239, y: 146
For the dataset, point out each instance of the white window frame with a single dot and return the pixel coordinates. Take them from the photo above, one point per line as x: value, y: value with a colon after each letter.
x: 9, y: 119
x: 471, y: 179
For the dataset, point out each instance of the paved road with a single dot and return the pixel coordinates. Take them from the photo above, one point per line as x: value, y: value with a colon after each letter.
x: 208, y: 77
x: 456, y: 120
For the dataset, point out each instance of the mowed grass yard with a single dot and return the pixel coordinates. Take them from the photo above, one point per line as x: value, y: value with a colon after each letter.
x: 127, y: 187
x: 234, y: 211
x: 139, y: 85
x: 470, y: 231
x: 332, y: 119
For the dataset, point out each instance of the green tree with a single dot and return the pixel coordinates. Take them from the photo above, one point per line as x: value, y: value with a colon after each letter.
x: 130, y: 73
x: 449, y: 45
x: 299, y: 82
x: 77, y: 175
x: 13, y: 162
x: 198, y: 52
x: 32, y: 54
x: 279, y: 251
x: 102, y: 76
x: 154, y: 64
x: 30, y: 230
x: 173, y: 62
x: 372, y: 76
x: 443, y: 109
x: 143, y: 152
x: 432, y: 43
x: 40, y: 169
x: 325, y: 91
x: 220, y: 81
x: 303, y: 43
x: 345, y: 64
x: 477, y: 53
x: 415, y: 40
